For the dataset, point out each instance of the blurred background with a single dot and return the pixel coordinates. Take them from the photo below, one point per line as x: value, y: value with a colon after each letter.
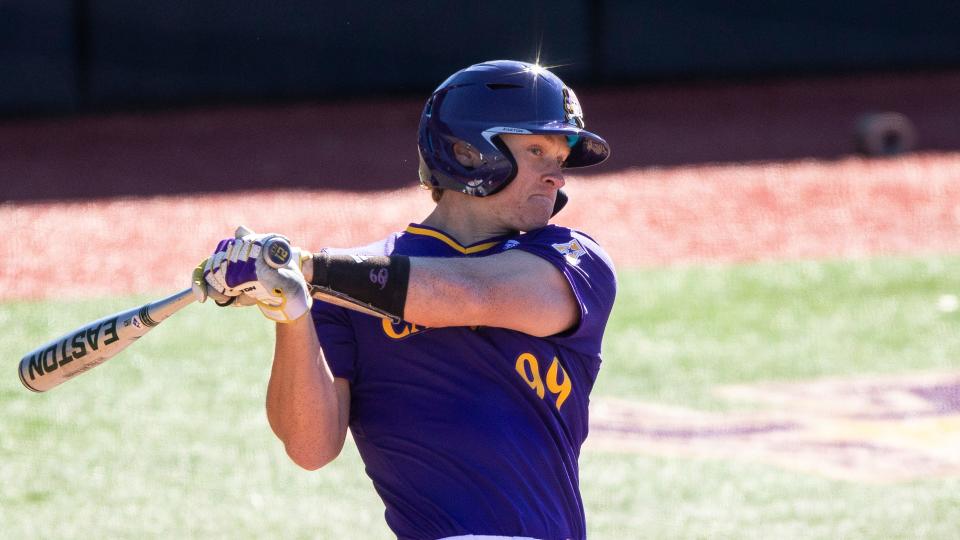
x: 109, y: 97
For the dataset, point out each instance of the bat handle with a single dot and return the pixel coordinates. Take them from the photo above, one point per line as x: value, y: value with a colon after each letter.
x: 163, y: 308
x: 276, y: 250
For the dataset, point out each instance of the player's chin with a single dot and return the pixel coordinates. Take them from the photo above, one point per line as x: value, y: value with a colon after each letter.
x: 536, y: 215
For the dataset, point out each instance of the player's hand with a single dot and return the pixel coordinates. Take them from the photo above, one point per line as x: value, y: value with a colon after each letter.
x: 231, y: 269
x: 203, y: 290
x: 283, y: 293
x: 258, y: 267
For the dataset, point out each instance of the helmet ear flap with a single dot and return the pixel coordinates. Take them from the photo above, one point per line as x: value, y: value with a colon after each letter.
x: 560, y: 202
x: 502, y: 147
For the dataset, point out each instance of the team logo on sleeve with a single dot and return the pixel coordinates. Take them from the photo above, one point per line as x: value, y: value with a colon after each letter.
x: 572, y: 250
x: 510, y: 244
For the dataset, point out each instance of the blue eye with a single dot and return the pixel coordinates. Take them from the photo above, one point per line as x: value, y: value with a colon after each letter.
x: 572, y: 140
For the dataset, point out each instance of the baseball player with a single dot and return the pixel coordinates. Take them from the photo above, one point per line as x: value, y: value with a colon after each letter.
x: 461, y: 351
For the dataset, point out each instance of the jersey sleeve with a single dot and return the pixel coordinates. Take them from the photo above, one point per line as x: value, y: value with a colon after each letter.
x: 337, y: 339
x: 590, y: 273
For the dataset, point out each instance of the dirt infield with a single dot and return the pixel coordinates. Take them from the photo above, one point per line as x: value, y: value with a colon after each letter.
x: 783, y: 210
x: 371, y: 145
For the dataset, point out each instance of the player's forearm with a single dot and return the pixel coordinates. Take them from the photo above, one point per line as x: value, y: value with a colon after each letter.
x: 514, y: 290
x: 302, y: 403
x: 448, y: 292
x: 437, y: 292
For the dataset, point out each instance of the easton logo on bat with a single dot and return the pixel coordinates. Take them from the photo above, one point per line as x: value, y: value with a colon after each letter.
x: 74, y: 347
x: 82, y: 349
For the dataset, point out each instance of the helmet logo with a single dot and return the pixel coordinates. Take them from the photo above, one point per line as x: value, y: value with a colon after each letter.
x: 571, y: 105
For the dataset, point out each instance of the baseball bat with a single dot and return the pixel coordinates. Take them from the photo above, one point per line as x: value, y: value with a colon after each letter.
x: 67, y: 356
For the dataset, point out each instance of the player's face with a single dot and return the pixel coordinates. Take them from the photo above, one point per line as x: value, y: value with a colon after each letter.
x: 527, y: 202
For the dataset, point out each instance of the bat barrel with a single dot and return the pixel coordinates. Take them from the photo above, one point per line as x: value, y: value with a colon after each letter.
x: 90, y: 345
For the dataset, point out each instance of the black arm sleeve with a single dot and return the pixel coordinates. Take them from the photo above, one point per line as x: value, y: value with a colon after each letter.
x: 377, y: 284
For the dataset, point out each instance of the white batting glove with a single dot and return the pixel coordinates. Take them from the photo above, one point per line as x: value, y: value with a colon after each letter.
x: 203, y: 290
x: 261, y: 267
x: 282, y: 293
x: 231, y: 269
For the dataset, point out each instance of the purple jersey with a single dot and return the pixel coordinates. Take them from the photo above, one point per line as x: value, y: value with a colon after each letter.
x: 474, y: 430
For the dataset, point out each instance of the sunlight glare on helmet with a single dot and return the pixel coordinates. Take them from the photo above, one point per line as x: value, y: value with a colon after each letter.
x: 537, y: 69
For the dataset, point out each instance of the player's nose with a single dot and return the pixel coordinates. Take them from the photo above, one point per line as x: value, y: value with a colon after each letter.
x: 555, y: 179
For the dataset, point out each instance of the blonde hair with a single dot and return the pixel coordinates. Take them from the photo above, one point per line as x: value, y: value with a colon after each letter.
x: 436, y: 193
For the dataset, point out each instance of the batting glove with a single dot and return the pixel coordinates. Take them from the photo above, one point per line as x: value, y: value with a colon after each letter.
x: 203, y: 290
x: 264, y: 268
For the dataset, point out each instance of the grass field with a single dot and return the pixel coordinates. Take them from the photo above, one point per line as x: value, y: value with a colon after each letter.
x: 170, y: 440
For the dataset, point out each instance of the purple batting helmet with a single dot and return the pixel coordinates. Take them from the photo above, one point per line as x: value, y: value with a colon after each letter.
x: 477, y: 104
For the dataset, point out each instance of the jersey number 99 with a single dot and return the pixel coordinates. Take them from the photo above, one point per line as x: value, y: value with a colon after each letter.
x: 557, y: 381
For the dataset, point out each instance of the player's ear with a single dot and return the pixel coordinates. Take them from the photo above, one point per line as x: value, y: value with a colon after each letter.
x: 466, y: 155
